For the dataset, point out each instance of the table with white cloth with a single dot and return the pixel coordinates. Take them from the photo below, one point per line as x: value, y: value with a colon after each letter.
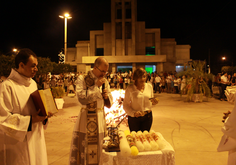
x: 230, y: 93
x: 166, y: 156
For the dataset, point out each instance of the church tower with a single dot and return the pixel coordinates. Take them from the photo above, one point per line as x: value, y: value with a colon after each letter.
x: 127, y: 44
x: 123, y: 19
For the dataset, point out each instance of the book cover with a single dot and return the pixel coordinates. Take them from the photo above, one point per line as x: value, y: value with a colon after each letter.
x: 44, y: 101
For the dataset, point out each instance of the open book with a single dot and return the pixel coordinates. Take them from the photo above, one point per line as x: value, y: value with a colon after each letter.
x: 44, y: 101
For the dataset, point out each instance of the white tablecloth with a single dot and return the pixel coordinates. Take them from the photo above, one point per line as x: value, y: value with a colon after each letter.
x: 230, y: 93
x: 166, y: 156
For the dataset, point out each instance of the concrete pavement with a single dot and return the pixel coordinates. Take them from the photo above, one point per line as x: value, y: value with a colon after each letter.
x: 193, y: 129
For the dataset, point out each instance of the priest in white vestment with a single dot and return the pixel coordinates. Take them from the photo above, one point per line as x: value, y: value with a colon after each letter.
x: 21, y: 129
x: 229, y: 131
x: 93, y: 92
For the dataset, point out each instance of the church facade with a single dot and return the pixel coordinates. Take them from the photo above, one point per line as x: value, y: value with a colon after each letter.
x: 127, y: 45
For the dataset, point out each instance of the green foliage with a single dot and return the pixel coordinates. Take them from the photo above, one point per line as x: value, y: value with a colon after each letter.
x: 58, y: 92
x: 6, y: 63
x: 61, y: 68
x: 198, y: 84
x: 229, y: 69
x: 44, y: 65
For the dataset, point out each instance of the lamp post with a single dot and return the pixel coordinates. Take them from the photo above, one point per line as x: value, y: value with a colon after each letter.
x: 65, y: 17
x: 14, y: 50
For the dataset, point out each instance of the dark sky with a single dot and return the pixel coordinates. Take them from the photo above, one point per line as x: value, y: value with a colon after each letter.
x: 205, y: 25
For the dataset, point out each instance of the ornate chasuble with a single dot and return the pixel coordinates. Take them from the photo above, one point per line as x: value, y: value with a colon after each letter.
x: 92, y: 133
x: 89, y: 130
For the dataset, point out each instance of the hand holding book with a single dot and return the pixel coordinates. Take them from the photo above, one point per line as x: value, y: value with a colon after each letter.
x: 44, y: 102
x: 36, y: 118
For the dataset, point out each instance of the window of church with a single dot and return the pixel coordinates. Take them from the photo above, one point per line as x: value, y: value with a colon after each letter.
x: 99, y: 52
x: 118, y: 30
x: 128, y: 30
x: 127, y: 10
x: 128, y: 13
x: 150, y: 51
x: 118, y: 13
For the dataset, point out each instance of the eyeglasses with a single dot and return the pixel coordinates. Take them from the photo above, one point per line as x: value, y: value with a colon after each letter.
x: 102, y: 71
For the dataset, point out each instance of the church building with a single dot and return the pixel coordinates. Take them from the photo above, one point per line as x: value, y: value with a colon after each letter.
x: 127, y: 44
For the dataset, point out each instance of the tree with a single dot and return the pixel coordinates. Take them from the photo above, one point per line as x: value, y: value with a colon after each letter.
x: 198, y: 84
x: 61, y: 68
x: 229, y: 69
x: 6, y: 63
x: 44, y: 65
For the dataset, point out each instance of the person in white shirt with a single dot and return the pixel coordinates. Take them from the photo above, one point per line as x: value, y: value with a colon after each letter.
x: 176, y: 84
x: 224, y: 82
x: 157, y: 83
x: 130, y: 73
x: 168, y: 81
x: 152, y: 80
x: 126, y: 82
x: 125, y: 74
x: 138, y: 102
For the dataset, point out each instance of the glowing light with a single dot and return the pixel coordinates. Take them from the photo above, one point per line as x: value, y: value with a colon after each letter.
x: 116, y: 113
x: 66, y: 15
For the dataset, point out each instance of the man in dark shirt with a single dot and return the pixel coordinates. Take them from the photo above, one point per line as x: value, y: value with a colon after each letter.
x: 233, y: 80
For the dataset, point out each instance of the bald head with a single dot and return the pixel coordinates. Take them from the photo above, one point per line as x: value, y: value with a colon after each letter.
x: 101, y: 61
x: 101, y: 67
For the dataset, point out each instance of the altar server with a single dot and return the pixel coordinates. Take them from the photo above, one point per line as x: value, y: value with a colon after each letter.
x: 22, y: 139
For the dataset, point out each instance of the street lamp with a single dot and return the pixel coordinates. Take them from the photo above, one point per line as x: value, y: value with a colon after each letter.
x: 14, y: 50
x: 66, y: 16
x: 223, y: 58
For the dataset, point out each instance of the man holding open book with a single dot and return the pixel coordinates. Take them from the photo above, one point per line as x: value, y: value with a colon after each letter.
x: 21, y: 128
x: 93, y: 92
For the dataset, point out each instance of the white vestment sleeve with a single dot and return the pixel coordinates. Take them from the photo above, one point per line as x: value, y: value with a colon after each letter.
x: 12, y: 124
x: 229, y: 128
x: 87, y: 95
x: 107, y: 88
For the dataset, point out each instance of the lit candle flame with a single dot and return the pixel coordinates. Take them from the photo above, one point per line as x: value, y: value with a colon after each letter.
x: 116, y: 113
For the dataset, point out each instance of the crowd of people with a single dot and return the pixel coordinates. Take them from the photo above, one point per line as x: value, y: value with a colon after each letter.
x: 222, y: 80
x: 22, y: 138
x: 161, y: 82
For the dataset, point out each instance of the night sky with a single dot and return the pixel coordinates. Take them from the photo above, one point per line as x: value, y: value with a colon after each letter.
x: 208, y: 26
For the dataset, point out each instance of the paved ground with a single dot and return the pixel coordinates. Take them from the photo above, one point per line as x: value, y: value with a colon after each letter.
x: 193, y: 129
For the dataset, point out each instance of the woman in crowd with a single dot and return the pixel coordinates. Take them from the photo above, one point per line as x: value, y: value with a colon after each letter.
x: 152, y: 80
x: 71, y: 87
x: 115, y: 81
x: 229, y: 80
x: 121, y: 82
x: 138, y: 102
x: 183, y: 85
x: 163, y: 84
